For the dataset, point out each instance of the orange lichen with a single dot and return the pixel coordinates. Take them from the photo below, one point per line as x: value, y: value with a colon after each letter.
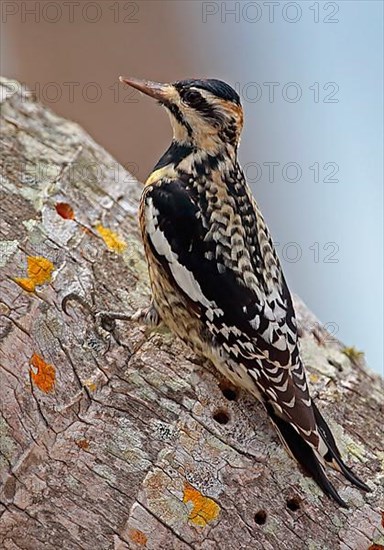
x: 138, y: 536
x: 65, y: 210
x: 111, y: 239
x: 82, y: 443
x: 204, y: 508
x: 39, y: 269
x: 25, y: 283
x: 86, y: 230
x: 376, y: 547
x: 39, y: 272
x: 44, y: 375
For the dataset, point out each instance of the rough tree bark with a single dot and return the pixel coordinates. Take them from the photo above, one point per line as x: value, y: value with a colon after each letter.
x: 140, y: 445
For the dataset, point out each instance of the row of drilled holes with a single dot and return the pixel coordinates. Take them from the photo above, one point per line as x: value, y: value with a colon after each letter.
x: 292, y: 503
x: 221, y: 416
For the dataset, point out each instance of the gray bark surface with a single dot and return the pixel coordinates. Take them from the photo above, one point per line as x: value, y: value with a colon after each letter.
x: 119, y: 448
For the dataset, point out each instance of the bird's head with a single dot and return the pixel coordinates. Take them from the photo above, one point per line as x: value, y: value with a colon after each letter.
x: 204, y: 113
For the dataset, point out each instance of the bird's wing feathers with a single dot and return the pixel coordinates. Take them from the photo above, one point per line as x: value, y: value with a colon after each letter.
x: 251, y: 318
x: 252, y: 327
x: 174, y: 222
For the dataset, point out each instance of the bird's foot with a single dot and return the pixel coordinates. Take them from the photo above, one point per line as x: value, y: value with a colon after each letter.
x: 105, y: 321
x: 148, y: 316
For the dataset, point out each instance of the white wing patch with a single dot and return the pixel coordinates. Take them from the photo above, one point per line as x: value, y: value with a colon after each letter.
x: 183, y: 277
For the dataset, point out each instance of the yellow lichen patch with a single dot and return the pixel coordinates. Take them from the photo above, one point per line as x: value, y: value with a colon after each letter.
x: 42, y: 374
x: 39, y: 269
x: 356, y: 450
x: 314, y: 378
x: 352, y: 353
x: 111, y: 239
x: 39, y: 272
x: 25, y: 283
x: 204, y: 508
x: 91, y: 385
x: 138, y: 536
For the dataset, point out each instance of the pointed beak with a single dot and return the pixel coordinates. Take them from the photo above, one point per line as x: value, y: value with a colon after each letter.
x: 161, y: 92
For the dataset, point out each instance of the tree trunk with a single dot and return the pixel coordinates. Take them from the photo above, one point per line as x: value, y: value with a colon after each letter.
x: 138, y: 444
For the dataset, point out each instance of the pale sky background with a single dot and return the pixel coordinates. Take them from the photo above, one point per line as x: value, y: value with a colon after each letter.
x: 348, y: 293
x: 332, y: 52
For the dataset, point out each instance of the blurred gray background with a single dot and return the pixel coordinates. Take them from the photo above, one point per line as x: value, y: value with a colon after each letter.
x: 311, y: 82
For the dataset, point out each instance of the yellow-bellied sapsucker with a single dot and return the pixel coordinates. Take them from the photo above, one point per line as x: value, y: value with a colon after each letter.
x: 216, y: 279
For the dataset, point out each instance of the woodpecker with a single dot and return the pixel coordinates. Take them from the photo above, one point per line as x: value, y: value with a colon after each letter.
x: 216, y: 280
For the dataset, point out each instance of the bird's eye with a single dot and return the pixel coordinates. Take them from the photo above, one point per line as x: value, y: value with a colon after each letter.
x: 192, y: 97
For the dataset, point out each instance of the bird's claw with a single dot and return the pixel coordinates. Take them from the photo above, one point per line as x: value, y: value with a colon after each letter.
x: 104, y: 321
x: 73, y: 297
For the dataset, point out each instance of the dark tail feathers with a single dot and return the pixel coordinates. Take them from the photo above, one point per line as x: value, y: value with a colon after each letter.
x: 333, y: 451
x: 306, y: 456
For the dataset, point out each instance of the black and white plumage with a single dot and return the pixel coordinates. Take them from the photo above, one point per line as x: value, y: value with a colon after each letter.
x: 216, y: 279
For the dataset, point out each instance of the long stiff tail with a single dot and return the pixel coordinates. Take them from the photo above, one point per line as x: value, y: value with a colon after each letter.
x: 311, y: 460
x: 333, y: 456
